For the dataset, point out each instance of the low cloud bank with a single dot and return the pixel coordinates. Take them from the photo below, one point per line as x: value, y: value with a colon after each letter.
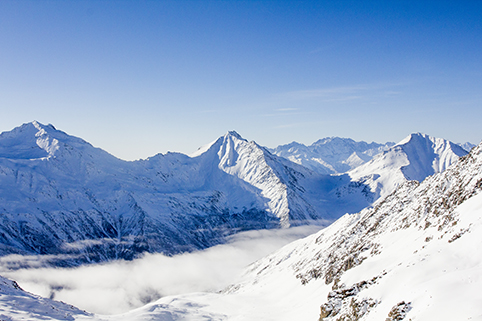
x: 120, y: 286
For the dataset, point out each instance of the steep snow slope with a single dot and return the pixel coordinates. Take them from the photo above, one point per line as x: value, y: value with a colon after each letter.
x: 279, y: 182
x: 331, y: 155
x: 414, y: 256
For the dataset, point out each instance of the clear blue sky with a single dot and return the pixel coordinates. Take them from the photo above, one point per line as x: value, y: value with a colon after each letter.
x: 141, y: 77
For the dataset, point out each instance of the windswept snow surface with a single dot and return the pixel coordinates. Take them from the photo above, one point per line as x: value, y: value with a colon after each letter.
x: 415, y: 256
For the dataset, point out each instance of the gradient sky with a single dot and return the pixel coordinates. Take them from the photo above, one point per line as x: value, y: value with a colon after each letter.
x: 138, y: 78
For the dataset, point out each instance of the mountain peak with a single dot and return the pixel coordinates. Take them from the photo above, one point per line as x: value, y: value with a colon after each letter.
x: 228, y: 150
x: 467, y: 146
x: 28, y: 141
x: 220, y: 141
x: 40, y: 127
x: 233, y: 133
x: 416, y: 157
x: 333, y: 139
x: 331, y: 155
x: 35, y: 140
x: 417, y: 137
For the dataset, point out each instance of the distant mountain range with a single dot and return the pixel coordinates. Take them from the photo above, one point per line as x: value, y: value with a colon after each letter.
x: 335, y: 155
x: 332, y: 155
x: 62, y: 196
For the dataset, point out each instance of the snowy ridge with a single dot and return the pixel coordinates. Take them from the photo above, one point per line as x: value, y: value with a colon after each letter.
x: 247, y: 161
x: 29, y: 141
x: 279, y: 182
x: 62, y: 196
x: 393, y: 246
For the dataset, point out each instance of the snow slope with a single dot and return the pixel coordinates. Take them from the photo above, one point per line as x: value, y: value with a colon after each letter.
x: 16, y: 304
x: 414, y: 256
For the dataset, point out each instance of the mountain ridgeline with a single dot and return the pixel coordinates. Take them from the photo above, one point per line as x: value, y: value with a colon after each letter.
x: 62, y: 196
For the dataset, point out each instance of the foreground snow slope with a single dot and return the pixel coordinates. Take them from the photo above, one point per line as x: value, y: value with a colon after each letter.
x: 415, y: 256
x: 16, y: 304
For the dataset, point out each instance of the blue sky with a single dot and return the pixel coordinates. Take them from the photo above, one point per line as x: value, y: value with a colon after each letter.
x: 141, y: 77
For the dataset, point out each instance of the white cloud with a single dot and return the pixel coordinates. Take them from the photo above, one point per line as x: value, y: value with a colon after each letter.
x: 354, y: 92
x: 120, y: 286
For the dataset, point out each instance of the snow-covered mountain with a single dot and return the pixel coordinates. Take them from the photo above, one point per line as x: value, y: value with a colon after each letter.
x: 415, y: 255
x: 331, y: 155
x: 414, y: 158
x: 60, y: 195
x: 467, y: 146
